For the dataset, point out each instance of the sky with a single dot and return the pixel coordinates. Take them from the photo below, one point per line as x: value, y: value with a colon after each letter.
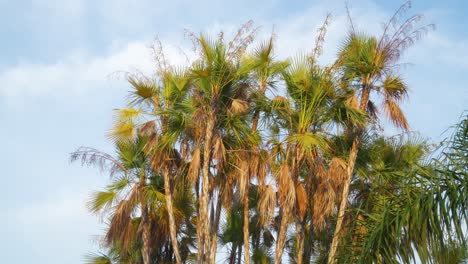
x: 61, y: 65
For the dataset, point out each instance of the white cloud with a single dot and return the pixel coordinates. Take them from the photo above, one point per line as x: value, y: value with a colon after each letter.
x: 73, y: 74
x: 77, y: 74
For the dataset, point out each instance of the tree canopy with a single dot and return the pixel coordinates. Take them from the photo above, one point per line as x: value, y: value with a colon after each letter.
x: 237, y: 156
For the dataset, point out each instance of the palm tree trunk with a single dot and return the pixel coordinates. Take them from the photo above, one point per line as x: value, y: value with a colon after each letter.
x: 203, y: 228
x: 214, y: 230
x: 300, y: 240
x: 344, y: 195
x: 255, y: 118
x: 344, y: 201
x: 170, y: 211
x: 246, y: 227
x: 146, y: 236
x: 310, y: 235
x: 281, y: 236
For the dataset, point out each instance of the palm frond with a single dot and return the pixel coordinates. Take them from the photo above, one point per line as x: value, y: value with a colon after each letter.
x: 93, y: 157
x: 395, y: 114
x: 98, y: 258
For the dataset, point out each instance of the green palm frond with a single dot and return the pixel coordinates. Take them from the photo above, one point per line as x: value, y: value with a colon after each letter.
x: 412, y: 208
x: 102, y: 201
x: 394, y: 87
x: 145, y: 91
x: 308, y: 142
x: 123, y: 131
x: 98, y: 258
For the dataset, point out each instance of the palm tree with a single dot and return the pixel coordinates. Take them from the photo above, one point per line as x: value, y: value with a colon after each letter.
x: 408, y: 205
x: 220, y: 90
x: 386, y: 169
x: 160, y: 101
x: 135, y: 187
x: 368, y: 65
x: 164, y: 156
x: 128, y: 193
x: 303, y: 113
x: 208, y: 138
x: 265, y: 74
x: 314, y: 104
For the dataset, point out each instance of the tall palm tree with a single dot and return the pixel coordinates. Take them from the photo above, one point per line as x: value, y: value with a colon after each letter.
x: 159, y: 101
x: 368, y: 65
x: 220, y: 90
x: 310, y: 91
x: 152, y: 99
x: 265, y: 75
x: 134, y: 186
x: 314, y: 104
x: 129, y: 193
x: 164, y: 157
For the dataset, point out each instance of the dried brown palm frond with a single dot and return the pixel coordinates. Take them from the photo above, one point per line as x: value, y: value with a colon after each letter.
x: 320, y: 172
x: 219, y: 152
x: 126, y: 237
x: 352, y: 102
x: 286, y: 188
x: 197, y: 124
x: 323, y: 203
x: 337, y: 173
x: 263, y: 166
x: 254, y: 161
x: 120, y: 226
x: 150, y: 146
x: 158, y: 160
x: 166, y: 159
x: 395, y: 114
x: 302, y: 200
x: 147, y: 129
x: 194, y: 168
x: 266, y: 205
x: 227, y: 192
x: 238, y: 106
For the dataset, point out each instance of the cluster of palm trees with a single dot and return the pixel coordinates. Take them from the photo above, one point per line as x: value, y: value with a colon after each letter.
x: 240, y: 157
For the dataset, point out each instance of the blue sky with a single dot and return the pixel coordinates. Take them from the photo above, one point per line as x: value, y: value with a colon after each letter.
x: 58, y: 87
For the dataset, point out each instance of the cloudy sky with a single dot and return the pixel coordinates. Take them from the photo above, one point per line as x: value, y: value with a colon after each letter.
x: 59, y: 82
